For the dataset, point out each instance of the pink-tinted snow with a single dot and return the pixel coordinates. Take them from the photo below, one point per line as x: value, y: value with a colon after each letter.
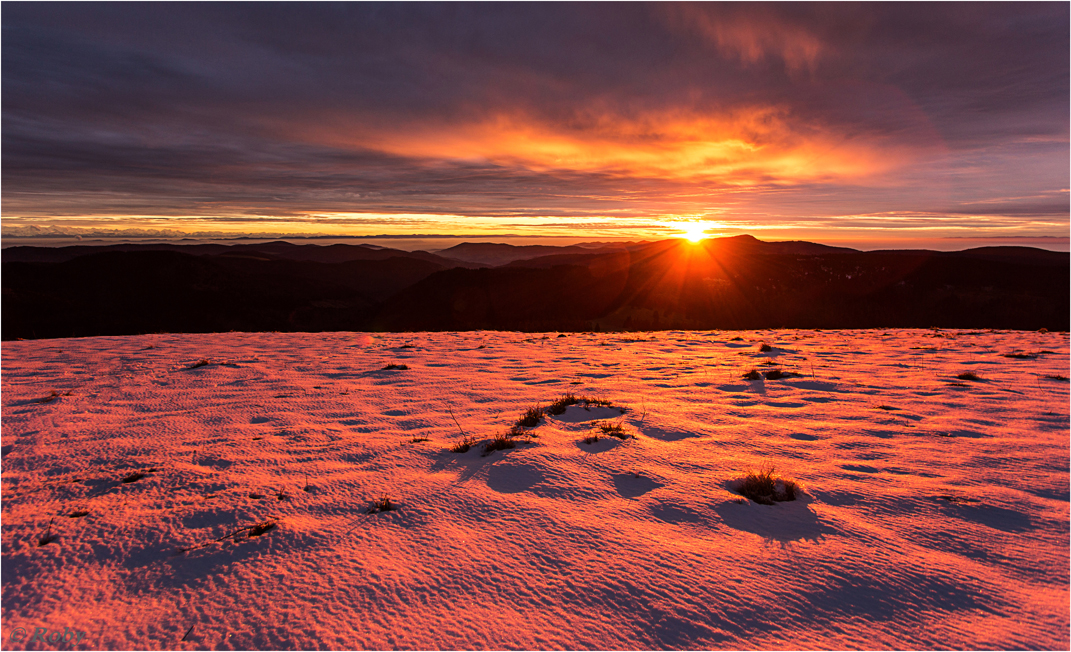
x: 934, y: 513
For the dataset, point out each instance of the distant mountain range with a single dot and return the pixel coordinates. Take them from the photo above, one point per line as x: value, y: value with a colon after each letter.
x: 726, y: 283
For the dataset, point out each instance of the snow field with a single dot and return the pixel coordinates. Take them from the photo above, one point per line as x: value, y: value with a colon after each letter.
x: 934, y: 513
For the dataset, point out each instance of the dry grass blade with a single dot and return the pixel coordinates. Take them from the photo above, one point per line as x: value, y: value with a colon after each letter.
x: 48, y: 536
x: 254, y: 530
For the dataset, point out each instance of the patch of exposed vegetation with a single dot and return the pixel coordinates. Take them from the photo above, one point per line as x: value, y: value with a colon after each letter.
x: 382, y: 504
x: 500, y: 442
x: 261, y: 528
x: 765, y: 487
x: 969, y: 375
x: 558, y: 407
x: 463, y: 445
x: 777, y: 374
x: 392, y: 367
x: 753, y: 374
x: 957, y: 500
x: 531, y: 417
x: 614, y: 430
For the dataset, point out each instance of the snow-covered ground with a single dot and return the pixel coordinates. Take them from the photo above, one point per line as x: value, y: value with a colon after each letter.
x: 934, y: 513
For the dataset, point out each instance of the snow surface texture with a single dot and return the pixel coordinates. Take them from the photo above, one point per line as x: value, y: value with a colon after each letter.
x: 935, y: 512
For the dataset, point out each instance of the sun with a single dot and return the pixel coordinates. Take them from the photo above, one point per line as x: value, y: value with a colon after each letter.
x: 694, y: 232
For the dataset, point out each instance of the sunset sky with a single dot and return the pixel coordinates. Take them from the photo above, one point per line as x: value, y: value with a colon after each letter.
x: 867, y: 125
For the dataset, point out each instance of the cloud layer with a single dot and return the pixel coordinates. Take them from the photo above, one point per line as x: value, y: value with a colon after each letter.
x: 221, y: 116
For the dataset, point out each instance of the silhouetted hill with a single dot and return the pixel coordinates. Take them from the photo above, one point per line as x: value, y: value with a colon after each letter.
x: 121, y: 293
x: 494, y: 255
x: 336, y: 253
x: 745, y: 283
x: 725, y: 283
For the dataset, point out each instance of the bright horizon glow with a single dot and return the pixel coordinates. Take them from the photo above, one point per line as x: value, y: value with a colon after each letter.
x: 695, y: 232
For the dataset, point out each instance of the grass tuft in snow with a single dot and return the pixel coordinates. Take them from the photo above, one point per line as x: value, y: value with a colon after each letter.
x: 133, y: 477
x: 969, y: 375
x: 558, y: 407
x: 753, y: 375
x: 261, y: 528
x: 1019, y: 355
x: 777, y: 374
x: 399, y: 367
x: 532, y: 417
x: 417, y: 440
x: 957, y: 500
x: 203, y: 362
x: 463, y: 445
x: 499, y: 442
x: 517, y: 431
x: 765, y: 487
x: 591, y: 439
x: 383, y: 504
x: 1056, y: 377
x: 764, y: 347
x: 614, y: 430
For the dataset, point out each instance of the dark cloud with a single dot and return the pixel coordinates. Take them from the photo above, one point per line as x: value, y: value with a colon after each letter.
x: 567, y: 110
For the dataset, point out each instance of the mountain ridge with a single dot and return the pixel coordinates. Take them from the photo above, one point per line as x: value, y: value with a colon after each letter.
x: 728, y: 283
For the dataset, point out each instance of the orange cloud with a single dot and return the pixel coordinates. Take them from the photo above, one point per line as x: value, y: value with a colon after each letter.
x: 740, y: 147
x: 751, y: 37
